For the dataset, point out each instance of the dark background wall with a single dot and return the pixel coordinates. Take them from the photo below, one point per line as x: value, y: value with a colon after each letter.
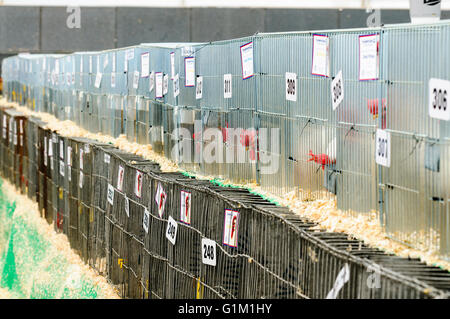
x: 43, y: 29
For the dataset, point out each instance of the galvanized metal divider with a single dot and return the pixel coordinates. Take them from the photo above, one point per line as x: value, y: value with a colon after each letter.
x: 108, y: 204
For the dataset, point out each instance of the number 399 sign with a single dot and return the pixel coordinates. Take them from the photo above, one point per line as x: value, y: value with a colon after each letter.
x: 438, y: 99
x: 383, y: 148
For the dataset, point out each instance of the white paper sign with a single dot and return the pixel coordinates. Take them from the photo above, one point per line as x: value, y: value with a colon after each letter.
x: 145, y: 64
x: 120, y: 176
x: 341, y: 279
x: 146, y: 220
x: 171, y: 231
x: 172, y: 65
x: 227, y: 88
x: 98, y: 80
x: 230, y: 228
x: 321, y: 55
x: 151, y: 82
x: 138, y: 184
x: 159, y: 84
x: 176, y: 86
x: 160, y: 198
x: 291, y: 86
x: 61, y: 167
x: 337, y: 90
x: 165, y: 84
x: 383, y: 148
x: 110, y: 195
x: 189, y: 68
x: 113, y: 80
x: 209, y: 252
x: 185, y: 213
x: 135, y: 80
x: 199, y: 88
x: 368, y: 57
x: 438, y: 99
x: 127, y: 206
x: 247, y: 60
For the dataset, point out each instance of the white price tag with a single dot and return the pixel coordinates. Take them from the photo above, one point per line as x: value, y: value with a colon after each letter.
x: 146, y: 220
x: 383, y: 148
x: 230, y: 228
x: 438, y: 99
x: 110, y: 195
x: 171, y: 231
x: 209, y: 252
x: 291, y: 86
x: 337, y: 90
x: 227, y: 88
x: 185, y: 213
x: 199, y: 88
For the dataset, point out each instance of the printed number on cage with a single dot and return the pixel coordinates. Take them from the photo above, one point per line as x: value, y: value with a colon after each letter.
x: 291, y: 86
x: 110, y: 194
x: 171, y: 231
x: 199, y: 88
x: 383, y: 148
x: 438, y: 99
x: 146, y: 220
x: 227, y: 86
x: 337, y: 90
x: 209, y: 252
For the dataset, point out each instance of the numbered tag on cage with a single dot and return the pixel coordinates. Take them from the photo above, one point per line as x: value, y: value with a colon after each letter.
x: 209, y: 256
x: 199, y: 88
x: 61, y: 168
x: 176, y: 85
x: 337, y: 90
x: 291, y: 86
x: 160, y: 199
x: 230, y: 228
x: 438, y: 99
x: 185, y: 214
x: 383, y: 148
x: 107, y: 158
x: 110, y: 194
x: 146, y: 220
x: 171, y: 231
x: 227, y: 88
x: 138, y: 184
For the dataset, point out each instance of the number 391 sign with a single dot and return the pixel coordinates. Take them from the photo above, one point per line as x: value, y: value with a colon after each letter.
x: 438, y: 99
x: 383, y: 148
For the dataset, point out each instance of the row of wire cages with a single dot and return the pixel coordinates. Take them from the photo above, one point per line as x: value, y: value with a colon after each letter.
x: 338, y: 115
